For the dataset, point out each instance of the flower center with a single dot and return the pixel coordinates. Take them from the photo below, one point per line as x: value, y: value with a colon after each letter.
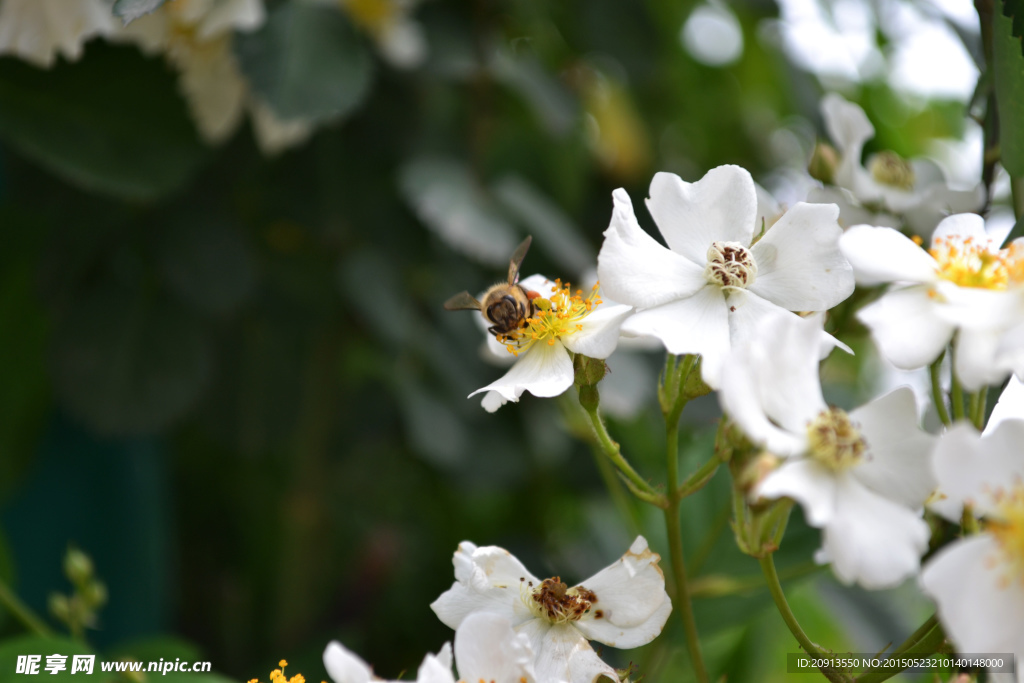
x: 889, y: 168
x: 968, y: 263
x: 556, y: 602
x: 1007, y: 525
x: 557, y: 316
x: 834, y: 440
x: 730, y: 264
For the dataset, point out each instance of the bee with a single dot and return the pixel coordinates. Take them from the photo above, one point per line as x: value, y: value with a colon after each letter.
x: 505, y: 305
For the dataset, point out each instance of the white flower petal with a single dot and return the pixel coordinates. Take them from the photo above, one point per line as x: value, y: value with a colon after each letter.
x: 871, y: 540
x: 1010, y: 405
x: 847, y: 124
x: 850, y: 210
x: 976, y: 307
x: 976, y: 361
x: 978, y: 609
x: 721, y: 206
x: 970, y: 468
x: 885, y: 255
x: 436, y: 668
x: 492, y: 400
x: 213, y: 87
x: 600, y: 332
x: 231, y: 15
x: 961, y: 226
x: 635, y: 269
x: 564, y: 655
x: 274, y: 134
x: 487, y: 579
x: 906, y: 328
x: 698, y: 324
x: 37, y: 30
x: 343, y: 666
x: 739, y: 396
x: 898, y: 464
x: 543, y: 370
x: 799, y: 264
x: 403, y: 43
x: 487, y: 649
x: 631, y: 599
x: 807, y: 482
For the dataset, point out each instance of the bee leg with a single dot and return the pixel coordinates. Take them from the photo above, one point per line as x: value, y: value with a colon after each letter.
x: 493, y: 329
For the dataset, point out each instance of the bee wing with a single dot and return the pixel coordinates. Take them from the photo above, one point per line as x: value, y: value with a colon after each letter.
x: 463, y: 301
x: 517, y: 260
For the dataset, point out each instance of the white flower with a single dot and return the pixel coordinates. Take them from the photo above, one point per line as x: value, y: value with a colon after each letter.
x: 486, y: 649
x: 915, y: 190
x: 709, y: 288
x: 861, y: 476
x: 1010, y: 405
x: 964, y: 282
x: 623, y: 605
x: 36, y: 30
x: 978, y: 582
x: 563, y: 322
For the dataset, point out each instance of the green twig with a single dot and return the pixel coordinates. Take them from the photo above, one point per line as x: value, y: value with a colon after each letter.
x: 917, y: 635
x: 979, y: 399
x: 613, y: 453
x: 22, y: 612
x: 929, y: 643
x: 699, y: 479
x: 938, y: 398
x: 957, y: 393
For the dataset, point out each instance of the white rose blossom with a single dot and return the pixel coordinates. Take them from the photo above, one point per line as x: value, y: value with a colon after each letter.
x: 964, y: 284
x: 915, y: 190
x: 623, y: 606
x: 978, y: 582
x: 861, y: 477
x: 707, y: 290
x: 486, y: 649
x: 38, y: 30
x: 563, y: 322
x: 196, y: 37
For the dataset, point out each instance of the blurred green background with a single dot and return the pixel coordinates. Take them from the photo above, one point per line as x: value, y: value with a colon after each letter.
x: 229, y: 379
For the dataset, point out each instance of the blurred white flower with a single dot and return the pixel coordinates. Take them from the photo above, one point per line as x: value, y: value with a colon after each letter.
x: 37, y: 30
x: 963, y: 284
x: 196, y: 38
x: 623, y: 606
x: 1010, y: 405
x: 562, y: 322
x: 978, y: 582
x: 706, y: 292
x: 862, y: 476
x: 399, y: 38
x: 486, y: 649
x: 915, y: 190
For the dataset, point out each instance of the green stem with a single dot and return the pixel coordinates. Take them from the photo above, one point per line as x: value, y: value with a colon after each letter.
x: 768, y: 568
x: 938, y: 398
x: 684, y: 603
x: 22, y: 612
x: 613, y: 453
x: 917, y: 635
x: 929, y: 644
x: 979, y: 399
x: 699, y: 479
x: 957, y: 398
x: 1017, y: 190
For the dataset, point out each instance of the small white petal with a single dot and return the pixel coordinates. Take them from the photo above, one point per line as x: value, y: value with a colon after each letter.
x: 492, y: 400
x: 345, y: 667
x: 600, y: 332
x: 436, y: 668
x: 231, y: 15
x: 799, y: 264
x: 970, y: 468
x: 807, y: 482
x: 960, y: 227
x: 213, y: 87
x: 906, y: 327
x: 487, y: 649
x: 871, y: 540
x: 898, y: 463
x: 635, y: 269
x: 978, y: 611
x: 274, y: 134
x: 631, y: 599
x: 1009, y: 407
x: 721, y: 206
x: 543, y: 370
x: 698, y: 324
x: 403, y: 43
x: 847, y: 124
x: 885, y: 255
x: 739, y: 396
x: 487, y: 579
x: 976, y: 361
x: 37, y: 30
x: 564, y: 655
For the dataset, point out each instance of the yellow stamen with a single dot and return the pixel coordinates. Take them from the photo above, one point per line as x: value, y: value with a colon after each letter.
x: 968, y: 263
x: 1007, y: 525
x: 554, y: 318
x: 834, y: 440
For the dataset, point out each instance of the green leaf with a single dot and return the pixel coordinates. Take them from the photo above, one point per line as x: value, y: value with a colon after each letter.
x: 112, y: 122
x: 127, y: 363
x: 1014, y: 9
x: 306, y: 62
x: 130, y: 10
x: 1008, y: 68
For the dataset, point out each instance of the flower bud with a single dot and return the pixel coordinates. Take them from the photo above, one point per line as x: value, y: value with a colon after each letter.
x: 823, y: 163
x: 589, y: 397
x: 60, y: 607
x: 694, y: 386
x: 588, y: 371
x: 94, y: 594
x: 78, y: 567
